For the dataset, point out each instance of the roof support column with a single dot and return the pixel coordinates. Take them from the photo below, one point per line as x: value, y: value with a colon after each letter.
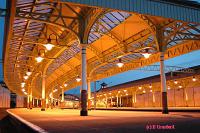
x: 43, y: 93
x: 84, y: 110
x: 28, y: 100
x: 31, y: 99
x: 62, y: 98
x: 162, y: 49
x: 89, y: 93
x: 163, y: 84
x: 52, y: 98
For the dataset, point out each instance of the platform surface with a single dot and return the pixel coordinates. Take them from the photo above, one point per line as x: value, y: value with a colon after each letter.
x: 101, y: 121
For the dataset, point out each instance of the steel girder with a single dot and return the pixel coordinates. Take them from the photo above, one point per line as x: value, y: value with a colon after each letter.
x: 168, y: 10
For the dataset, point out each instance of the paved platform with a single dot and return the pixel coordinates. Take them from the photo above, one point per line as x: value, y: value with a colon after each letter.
x: 158, y: 109
x: 101, y: 121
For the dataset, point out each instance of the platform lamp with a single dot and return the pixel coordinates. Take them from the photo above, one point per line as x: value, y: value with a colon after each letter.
x: 120, y: 64
x: 49, y: 45
x: 78, y: 79
x: 28, y: 72
x: 146, y: 54
x: 40, y: 56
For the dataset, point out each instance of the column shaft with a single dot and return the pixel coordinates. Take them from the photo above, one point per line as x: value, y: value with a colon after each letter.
x: 84, y: 110
x: 43, y: 93
x: 163, y: 85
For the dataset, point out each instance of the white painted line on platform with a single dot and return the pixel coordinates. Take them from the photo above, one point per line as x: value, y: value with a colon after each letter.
x: 29, y: 124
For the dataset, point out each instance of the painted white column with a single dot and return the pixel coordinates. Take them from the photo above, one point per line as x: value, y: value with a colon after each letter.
x: 31, y: 98
x: 117, y: 101
x: 84, y: 110
x: 163, y: 84
x: 120, y: 101
x: 89, y: 89
x: 186, y: 96
x: 62, y: 99
x: 43, y: 93
x: 153, y: 94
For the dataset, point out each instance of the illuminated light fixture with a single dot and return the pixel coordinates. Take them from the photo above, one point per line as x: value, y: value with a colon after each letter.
x: 144, y: 91
x: 25, y: 93
x: 125, y: 90
x: 140, y: 88
x: 23, y: 90
x: 120, y: 64
x: 49, y: 46
x: 39, y: 59
x: 150, y: 90
x: 146, y: 54
x: 22, y: 84
x: 194, y: 79
x: 126, y: 94
x: 118, y: 91
x: 29, y: 72
x: 179, y: 86
x: 168, y: 88
x: 55, y: 90
x: 65, y: 85
x: 25, y: 77
x: 110, y: 93
x: 150, y: 86
x: 61, y: 87
x: 175, y: 82
x: 78, y: 79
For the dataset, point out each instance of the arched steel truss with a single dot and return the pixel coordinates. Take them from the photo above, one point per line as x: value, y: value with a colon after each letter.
x: 34, y: 21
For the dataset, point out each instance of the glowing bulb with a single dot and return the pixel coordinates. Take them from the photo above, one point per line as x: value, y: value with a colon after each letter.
x: 78, y: 79
x: 49, y: 46
x: 175, y: 82
x: 39, y: 59
x: 150, y: 86
x: 150, y: 90
x: 120, y: 64
x: 125, y: 90
x: 22, y: 84
x: 26, y: 77
x: 25, y: 93
x: 61, y: 87
x: 179, y: 86
x: 28, y: 73
x: 126, y: 94
x: 194, y: 79
x: 146, y: 55
x: 23, y: 90
x: 65, y: 85
x: 55, y: 90
x: 168, y: 88
x: 140, y: 87
x: 144, y: 91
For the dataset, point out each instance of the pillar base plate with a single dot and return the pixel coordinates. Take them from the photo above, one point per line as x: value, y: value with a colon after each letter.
x: 84, y: 113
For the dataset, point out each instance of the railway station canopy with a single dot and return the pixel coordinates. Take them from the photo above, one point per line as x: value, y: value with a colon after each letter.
x: 44, y: 40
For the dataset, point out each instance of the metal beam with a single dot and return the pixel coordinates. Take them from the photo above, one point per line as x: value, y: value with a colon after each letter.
x: 168, y: 10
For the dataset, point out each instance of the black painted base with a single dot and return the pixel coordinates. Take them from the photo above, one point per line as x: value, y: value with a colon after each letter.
x: 84, y: 113
x: 164, y: 103
x: 42, y: 109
